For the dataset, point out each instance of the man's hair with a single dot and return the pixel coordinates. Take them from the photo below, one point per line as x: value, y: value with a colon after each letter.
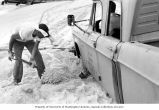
x: 112, y: 7
x: 45, y: 28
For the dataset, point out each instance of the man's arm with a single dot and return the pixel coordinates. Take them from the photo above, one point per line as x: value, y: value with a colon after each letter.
x: 11, y: 42
x: 37, y: 37
x: 35, y: 48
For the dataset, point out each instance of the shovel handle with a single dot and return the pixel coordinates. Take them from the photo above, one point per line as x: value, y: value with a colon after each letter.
x: 26, y: 62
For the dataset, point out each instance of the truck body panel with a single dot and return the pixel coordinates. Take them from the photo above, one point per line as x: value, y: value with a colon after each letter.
x: 139, y: 71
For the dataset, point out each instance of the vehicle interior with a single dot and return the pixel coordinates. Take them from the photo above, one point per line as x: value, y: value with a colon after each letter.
x: 113, y: 21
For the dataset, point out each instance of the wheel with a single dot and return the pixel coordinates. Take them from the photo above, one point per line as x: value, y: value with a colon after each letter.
x: 2, y: 3
x: 77, y: 51
x: 85, y: 73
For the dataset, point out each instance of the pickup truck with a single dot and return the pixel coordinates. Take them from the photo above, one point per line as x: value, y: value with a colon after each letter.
x: 17, y: 2
x: 125, y: 63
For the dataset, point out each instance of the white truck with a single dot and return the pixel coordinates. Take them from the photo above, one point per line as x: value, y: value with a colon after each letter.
x: 125, y: 63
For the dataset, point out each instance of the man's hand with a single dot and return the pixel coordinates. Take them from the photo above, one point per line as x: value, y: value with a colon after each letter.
x: 32, y: 63
x: 10, y: 55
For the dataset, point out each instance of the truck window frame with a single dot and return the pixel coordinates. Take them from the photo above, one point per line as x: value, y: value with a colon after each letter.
x: 93, y: 15
x: 108, y: 20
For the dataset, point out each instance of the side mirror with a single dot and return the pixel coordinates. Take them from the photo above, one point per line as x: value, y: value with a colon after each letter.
x: 70, y: 20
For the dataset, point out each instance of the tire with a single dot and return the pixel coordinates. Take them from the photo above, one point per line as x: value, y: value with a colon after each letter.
x: 85, y: 73
x: 77, y: 51
x: 2, y: 3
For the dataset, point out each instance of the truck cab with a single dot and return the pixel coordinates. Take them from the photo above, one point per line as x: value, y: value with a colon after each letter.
x: 119, y: 47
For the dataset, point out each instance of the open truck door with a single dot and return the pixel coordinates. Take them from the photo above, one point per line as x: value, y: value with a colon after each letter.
x: 106, y: 50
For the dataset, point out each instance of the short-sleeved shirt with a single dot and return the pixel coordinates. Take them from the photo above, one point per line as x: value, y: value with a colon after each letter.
x: 26, y: 30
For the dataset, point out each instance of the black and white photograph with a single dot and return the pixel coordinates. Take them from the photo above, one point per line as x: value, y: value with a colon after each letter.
x: 75, y: 52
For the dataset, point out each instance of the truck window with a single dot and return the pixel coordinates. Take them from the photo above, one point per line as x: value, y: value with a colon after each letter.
x: 97, y: 17
x: 114, y: 16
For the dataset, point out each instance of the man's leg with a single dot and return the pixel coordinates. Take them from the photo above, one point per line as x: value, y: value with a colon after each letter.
x: 38, y: 58
x: 18, y: 66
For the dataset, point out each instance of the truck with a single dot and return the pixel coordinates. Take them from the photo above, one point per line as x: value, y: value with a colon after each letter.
x: 17, y: 2
x: 121, y: 49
